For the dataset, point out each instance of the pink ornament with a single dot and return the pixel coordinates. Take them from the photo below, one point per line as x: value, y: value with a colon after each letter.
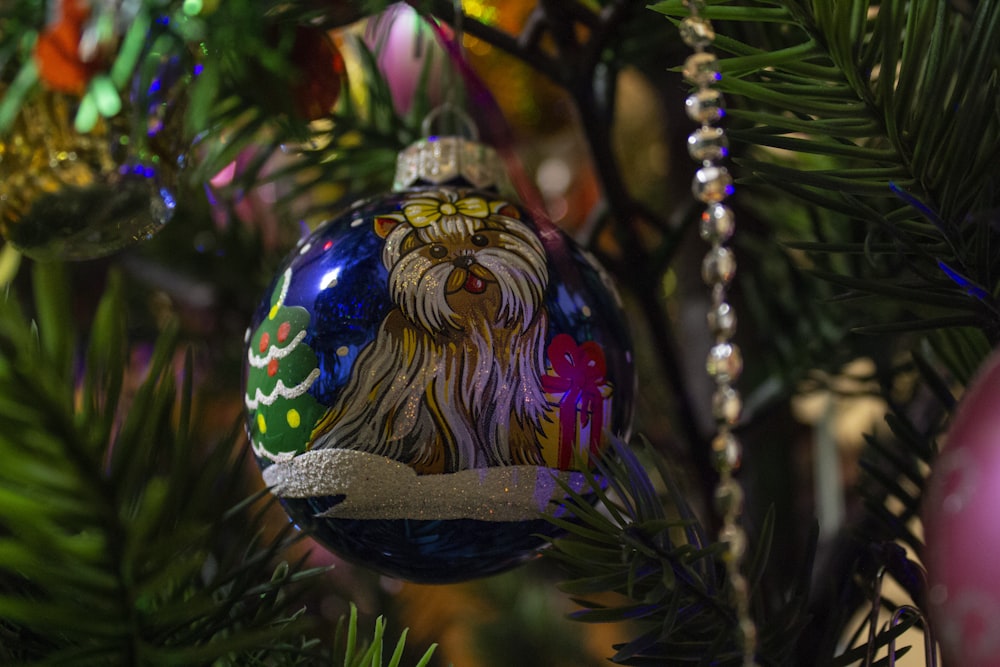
x: 404, y: 45
x: 962, y: 530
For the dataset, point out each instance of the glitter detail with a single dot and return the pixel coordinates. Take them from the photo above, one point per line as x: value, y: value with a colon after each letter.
x: 286, y: 278
x: 377, y: 487
x: 438, y: 160
x: 262, y: 452
x: 260, y: 361
x: 281, y: 390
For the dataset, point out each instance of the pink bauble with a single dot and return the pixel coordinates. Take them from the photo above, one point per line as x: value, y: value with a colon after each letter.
x: 404, y: 46
x: 962, y: 529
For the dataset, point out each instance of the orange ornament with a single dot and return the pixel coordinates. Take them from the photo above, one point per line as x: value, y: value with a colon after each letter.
x: 57, y: 50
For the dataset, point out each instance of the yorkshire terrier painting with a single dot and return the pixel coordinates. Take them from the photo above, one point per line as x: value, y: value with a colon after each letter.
x: 452, y: 380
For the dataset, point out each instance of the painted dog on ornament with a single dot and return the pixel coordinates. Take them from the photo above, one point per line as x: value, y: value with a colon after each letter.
x: 453, y: 379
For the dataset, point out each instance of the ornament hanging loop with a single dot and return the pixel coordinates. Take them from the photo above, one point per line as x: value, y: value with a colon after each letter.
x: 930, y: 648
x: 450, y: 121
x: 873, y: 618
x: 456, y: 122
x: 930, y: 645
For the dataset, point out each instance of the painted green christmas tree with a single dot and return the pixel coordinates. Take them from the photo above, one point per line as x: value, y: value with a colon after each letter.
x: 281, y: 370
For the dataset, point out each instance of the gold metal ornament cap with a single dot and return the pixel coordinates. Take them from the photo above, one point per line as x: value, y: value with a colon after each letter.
x: 439, y: 160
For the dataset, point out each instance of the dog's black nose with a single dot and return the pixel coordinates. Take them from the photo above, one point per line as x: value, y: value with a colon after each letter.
x: 464, y: 261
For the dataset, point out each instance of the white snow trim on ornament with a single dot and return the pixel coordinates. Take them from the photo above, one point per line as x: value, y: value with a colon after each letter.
x: 286, y: 279
x: 261, y: 451
x: 274, y: 352
x: 377, y: 487
x: 281, y: 391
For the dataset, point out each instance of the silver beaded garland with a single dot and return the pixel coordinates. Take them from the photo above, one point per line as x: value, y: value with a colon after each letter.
x: 713, y: 184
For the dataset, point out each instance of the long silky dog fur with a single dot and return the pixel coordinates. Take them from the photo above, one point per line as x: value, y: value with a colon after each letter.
x: 452, y: 379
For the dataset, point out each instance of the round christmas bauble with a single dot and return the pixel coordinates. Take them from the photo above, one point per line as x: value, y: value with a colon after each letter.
x: 961, y: 530
x: 408, y: 55
x: 427, y: 370
x: 321, y: 72
x: 73, y: 195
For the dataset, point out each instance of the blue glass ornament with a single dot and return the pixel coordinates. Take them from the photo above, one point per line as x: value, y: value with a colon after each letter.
x: 428, y: 366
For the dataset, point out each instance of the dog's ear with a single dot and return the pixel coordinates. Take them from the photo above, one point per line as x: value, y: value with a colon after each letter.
x: 386, y: 223
x: 506, y: 209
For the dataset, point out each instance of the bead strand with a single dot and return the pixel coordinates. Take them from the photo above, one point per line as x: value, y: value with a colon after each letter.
x: 712, y: 184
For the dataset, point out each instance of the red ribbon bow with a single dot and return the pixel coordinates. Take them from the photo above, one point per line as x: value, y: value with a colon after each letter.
x: 579, y: 374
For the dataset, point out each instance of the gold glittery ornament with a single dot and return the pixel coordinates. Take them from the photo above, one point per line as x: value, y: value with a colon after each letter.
x: 75, y: 195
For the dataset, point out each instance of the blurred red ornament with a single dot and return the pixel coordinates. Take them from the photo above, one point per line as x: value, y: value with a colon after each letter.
x: 961, y: 529
x: 57, y: 50
x: 321, y: 69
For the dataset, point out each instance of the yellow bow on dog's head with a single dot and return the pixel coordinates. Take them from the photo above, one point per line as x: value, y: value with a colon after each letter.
x: 424, y: 211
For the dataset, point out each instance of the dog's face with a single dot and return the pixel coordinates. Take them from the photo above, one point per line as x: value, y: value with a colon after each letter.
x: 454, y: 260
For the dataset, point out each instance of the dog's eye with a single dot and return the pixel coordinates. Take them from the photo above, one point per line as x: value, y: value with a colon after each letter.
x: 438, y: 251
x: 480, y: 240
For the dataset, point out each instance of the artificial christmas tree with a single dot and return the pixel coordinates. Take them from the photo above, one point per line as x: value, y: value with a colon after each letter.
x: 862, y: 138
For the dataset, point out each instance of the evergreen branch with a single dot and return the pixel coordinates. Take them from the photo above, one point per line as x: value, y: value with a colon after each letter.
x: 925, y: 324
x: 102, y: 554
x: 865, y: 98
x: 962, y: 351
x: 369, y: 653
x: 857, y: 654
x: 770, y: 138
x: 917, y: 294
x: 104, y: 539
x: 893, y: 468
x: 662, y: 571
x: 352, y: 153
